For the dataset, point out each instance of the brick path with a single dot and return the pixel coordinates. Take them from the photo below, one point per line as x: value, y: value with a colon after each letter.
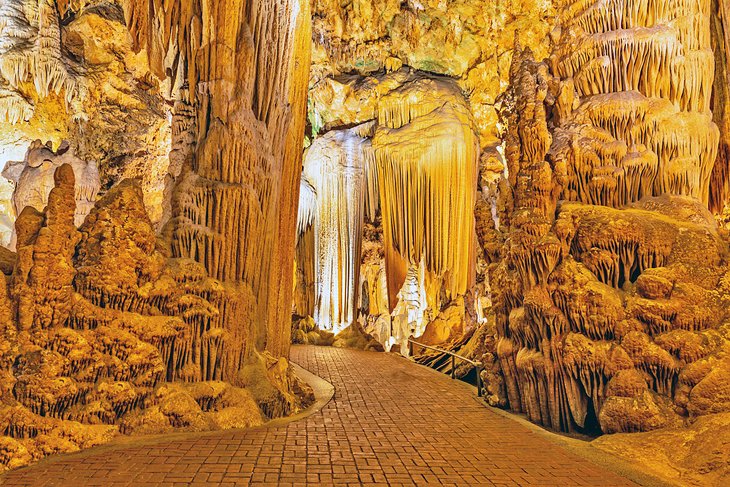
x: 391, y: 422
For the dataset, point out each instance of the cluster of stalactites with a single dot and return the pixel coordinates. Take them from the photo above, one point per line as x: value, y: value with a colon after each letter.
x: 30, y: 52
x: 335, y: 166
x: 591, y: 295
x: 426, y: 154
x: 643, y: 76
x: 243, y: 65
x: 194, y: 44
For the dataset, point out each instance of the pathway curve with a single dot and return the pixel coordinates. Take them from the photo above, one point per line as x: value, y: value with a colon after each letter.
x: 391, y: 422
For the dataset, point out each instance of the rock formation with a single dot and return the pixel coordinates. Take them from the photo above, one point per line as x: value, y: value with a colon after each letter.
x: 426, y: 157
x: 150, y: 347
x: 609, y: 276
x: 411, y: 166
x: 34, y: 178
x: 470, y: 41
x: 68, y: 72
x: 239, y: 74
x: 191, y: 331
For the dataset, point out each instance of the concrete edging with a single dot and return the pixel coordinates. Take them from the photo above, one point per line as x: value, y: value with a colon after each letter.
x: 323, y: 393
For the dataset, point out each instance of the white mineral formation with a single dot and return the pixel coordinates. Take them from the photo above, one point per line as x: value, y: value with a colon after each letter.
x: 335, y: 166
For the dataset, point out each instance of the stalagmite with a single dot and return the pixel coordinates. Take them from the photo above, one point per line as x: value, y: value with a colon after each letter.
x: 101, y: 328
x: 605, y: 263
x: 105, y: 324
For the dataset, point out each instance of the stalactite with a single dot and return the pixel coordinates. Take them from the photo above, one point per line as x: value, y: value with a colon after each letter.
x: 30, y: 52
x: 604, y: 299
x: 234, y: 207
x: 644, y: 76
x: 426, y: 155
x: 335, y: 164
x: 304, y: 260
x: 720, y: 178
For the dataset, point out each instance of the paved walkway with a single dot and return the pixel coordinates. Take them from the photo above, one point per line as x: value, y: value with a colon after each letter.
x: 391, y: 422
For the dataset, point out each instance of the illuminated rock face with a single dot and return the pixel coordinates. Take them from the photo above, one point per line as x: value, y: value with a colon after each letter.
x: 105, y: 328
x: 154, y: 346
x: 335, y: 164
x: 34, y: 178
x: 470, y: 41
x: 239, y: 73
x: 67, y: 72
x: 416, y: 158
x: 610, y: 317
x: 643, y: 82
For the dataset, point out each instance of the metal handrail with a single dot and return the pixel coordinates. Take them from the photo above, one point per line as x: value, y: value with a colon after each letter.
x: 479, y: 366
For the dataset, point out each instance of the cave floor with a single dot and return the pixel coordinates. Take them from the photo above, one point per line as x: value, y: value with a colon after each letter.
x: 390, y: 422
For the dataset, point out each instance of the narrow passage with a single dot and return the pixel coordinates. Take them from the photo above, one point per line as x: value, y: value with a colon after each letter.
x: 391, y: 422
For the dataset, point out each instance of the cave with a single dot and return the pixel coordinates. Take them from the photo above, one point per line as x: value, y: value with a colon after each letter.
x: 333, y: 238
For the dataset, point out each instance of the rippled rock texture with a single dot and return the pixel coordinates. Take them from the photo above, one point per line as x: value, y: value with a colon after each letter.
x: 609, y: 275
x: 109, y: 328
x: 103, y: 334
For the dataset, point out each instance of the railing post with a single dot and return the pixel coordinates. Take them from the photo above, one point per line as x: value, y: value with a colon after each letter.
x: 479, y: 379
x: 477, y: 364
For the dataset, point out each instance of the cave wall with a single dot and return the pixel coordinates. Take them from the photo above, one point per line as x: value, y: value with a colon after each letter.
x: 112, y: 326
x: 469, y: 40
x: 608, y: 272
x: 68, y: 72
x: 240, y: 85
